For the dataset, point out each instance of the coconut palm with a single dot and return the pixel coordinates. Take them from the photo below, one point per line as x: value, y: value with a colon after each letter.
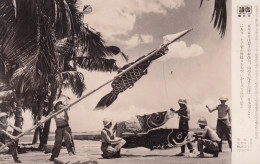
x: 32, y: 34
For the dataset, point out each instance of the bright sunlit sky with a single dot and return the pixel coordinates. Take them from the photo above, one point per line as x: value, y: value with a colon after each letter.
x: 197, y: 67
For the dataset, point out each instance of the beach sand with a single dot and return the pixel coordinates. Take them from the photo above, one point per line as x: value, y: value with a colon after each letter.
x: 90, y: 150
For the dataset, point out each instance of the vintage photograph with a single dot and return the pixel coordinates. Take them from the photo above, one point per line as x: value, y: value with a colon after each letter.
x: 115, y: 81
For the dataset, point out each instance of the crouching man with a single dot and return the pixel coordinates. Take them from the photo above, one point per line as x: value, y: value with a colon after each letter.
x: 5, y: 136
x: 111, y: 145
x: 209, y: 139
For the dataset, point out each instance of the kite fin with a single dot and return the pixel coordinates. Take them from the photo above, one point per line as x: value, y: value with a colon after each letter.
x: 106, y: 100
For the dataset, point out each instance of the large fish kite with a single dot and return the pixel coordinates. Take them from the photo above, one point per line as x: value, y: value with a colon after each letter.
x: 139, y: 68
x: 142, y: 123
x: 144, y: 131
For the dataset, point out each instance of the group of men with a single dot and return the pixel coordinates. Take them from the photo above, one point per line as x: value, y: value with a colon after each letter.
x: 211, y: 140
x: 208, y: 142
x: 63, y: 131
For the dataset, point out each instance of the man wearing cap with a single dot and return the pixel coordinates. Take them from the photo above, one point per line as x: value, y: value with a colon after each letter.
x: 224, y: 120
x: 111, y: 145
x: 63, y: 131
x: 209, y: 139
x: 184, y: 114
x: 4, y: 134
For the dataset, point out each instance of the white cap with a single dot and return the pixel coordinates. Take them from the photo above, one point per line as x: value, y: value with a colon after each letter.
x: 202, y: 121
x: 2, y: 114
x: 182, y: 101
x: 106, y: 121
x: 224, y: 98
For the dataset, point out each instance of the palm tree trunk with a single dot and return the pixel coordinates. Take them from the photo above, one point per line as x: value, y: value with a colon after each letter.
x: 38, y: 131
x: 45, y: 134
x: 37, y: 134
x: 18, y: 117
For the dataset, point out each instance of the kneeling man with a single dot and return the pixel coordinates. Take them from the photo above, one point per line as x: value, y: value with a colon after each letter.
x: 209, y: 139
x: 111, y: 145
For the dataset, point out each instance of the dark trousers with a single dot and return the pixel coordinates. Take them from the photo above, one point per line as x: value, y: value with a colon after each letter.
x: 184, y: 125
x: 110, y: 150
x: 12, y: 147
x: 60, y: 133
x: 190, y: 147
x: 211, y: 146
x: 223, y: 128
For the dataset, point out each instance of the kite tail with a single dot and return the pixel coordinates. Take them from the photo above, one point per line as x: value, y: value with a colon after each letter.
x: 106, y: 100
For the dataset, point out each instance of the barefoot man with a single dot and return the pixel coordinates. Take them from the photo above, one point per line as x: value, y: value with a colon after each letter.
x: 224, y: 120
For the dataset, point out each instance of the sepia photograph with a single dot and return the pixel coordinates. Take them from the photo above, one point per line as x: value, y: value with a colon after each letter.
x: 117, y: 81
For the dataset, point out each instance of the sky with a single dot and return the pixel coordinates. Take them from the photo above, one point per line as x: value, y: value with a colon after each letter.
x: 197, y: 67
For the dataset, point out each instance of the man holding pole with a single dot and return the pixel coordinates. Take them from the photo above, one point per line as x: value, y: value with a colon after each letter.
x: 224, y: 120
x: 63, y: 131
x: 4, y: 134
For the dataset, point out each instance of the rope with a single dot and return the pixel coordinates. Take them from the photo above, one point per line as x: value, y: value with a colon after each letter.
x: 186, y: 92
x: 165, y: 86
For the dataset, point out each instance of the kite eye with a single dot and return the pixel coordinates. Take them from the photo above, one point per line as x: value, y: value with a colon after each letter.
x: 179, y: 136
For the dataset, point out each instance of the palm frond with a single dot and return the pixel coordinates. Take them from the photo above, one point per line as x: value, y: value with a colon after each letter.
x: 219, y: 16
x: 73, y: 80
x: 97, y: 64
x: 201, y: 3
x: 6, y: 95
x: 90, y: 41
x: 7, y: 18
x: 31, y: 43
x: 63, y: 19
x: 87, y: 9
x: 7, y: 107
x: 27, y: 77
x: 64, y: 47
x: 4, y: 88
x: 7, y: 101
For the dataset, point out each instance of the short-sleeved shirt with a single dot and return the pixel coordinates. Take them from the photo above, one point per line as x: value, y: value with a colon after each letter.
x: 222, y: 111
x: 109, y: 134
x: 210, y: 134
x: 61, y: 119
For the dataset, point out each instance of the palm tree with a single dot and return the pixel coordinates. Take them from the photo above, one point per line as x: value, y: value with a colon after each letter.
x: 32, y: 33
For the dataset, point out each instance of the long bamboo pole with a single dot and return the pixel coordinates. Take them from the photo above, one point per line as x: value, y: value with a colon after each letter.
x: 39, y: 123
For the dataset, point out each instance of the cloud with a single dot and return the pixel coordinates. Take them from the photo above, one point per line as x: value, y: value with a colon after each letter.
x: 146, y: 38
x: 136, y: 40
x: 181, y: 50
x: 115, y: 17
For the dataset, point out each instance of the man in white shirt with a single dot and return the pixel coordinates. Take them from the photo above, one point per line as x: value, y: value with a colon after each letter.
x: 111, y: 145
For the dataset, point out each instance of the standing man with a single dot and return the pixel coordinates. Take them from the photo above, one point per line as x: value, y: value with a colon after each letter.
x: 224, y: 121
x: 209, y: 139
x: 184, y: 115
x: 63, y: 131
x: 111, y: 145
x: 5, y: 136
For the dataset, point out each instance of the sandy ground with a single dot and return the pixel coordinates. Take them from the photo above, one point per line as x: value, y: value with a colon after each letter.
x: 91, y: 149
